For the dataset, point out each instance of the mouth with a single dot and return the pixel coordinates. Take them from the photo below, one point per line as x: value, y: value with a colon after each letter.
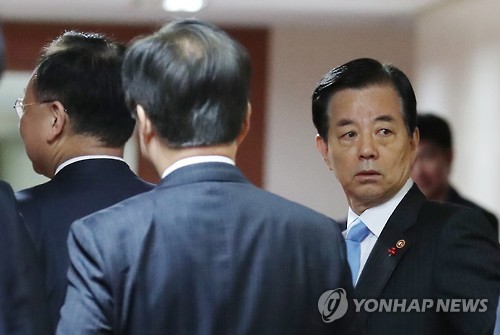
x: 368, y: 175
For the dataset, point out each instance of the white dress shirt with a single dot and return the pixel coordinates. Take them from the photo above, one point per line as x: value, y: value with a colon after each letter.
x: 375, y: 219
x: 196, y: 160
x: 82, y: 158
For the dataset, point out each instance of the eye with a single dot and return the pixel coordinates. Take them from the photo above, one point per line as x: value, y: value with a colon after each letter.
x: 384, y: 132
x: 349, y: 134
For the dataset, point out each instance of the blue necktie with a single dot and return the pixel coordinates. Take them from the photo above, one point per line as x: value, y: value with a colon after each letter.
x: 356, y: 234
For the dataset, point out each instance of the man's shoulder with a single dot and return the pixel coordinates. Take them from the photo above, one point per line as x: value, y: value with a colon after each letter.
x: 457, y: 198
x: 281, y: 201
x: 292, y: 214
x: 6, y: 190
x: 454, y: 219
x: 5, y: 187
x: 34, y: 193
x: 133, y: 209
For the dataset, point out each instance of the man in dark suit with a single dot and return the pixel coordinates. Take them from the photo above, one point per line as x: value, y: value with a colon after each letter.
x: 205, y: 252
x: 22, y: 298
x: 419, y: 253
x: 431, y: 170
x: 74, y: 124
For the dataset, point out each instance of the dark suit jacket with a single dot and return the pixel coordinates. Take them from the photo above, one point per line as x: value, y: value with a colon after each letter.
x: 206, y: 253
x: 456, y: 198
x: 49, y: 209
x: 444, y: 256
x: 22, y: 309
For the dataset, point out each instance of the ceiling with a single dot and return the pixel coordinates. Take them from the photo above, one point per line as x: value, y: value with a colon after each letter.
x: 234, y: 12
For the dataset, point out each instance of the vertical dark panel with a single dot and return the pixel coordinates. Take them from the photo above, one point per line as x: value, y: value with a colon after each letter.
x: 24, y: 41
x: 251, y: 153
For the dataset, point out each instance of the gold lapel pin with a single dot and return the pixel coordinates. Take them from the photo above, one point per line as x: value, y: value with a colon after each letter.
x: 400, y: 244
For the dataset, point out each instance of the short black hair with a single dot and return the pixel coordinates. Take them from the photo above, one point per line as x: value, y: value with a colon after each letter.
x: 434, y: 129
x: 362, y: 73
x: 83, y: 72
x: 193, y: 81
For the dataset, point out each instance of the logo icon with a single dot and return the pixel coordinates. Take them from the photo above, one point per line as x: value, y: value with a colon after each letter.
x: 332, y: 305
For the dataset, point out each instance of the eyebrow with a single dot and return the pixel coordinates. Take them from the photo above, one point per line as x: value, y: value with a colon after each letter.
x: 344, y: 122
x: 381, y: 118
x: 385, y: 118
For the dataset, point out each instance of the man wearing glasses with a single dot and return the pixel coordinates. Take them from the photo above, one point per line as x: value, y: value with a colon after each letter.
x: 74, y: 124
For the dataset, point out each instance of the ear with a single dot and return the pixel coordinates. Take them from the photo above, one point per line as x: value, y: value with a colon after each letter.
x: 57, y: 120
x: 415, y: 139
x: 322, y: 147
x: 414, y: 142
x: 144, y: 126
x: 245, y: 126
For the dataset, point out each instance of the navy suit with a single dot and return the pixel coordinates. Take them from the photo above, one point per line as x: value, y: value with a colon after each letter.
x: 456, y: 198
x: 22, y: 299
x: 206, y: 253
x: 49, y: 209
x: 444, y: 256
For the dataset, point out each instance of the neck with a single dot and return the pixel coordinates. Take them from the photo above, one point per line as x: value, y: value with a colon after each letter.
x: 79, y: 146
x: 165, y: 156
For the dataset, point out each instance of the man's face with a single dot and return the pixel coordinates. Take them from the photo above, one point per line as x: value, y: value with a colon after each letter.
x: 31, y: 128
x: 368, y: 147
x: 432, y: 169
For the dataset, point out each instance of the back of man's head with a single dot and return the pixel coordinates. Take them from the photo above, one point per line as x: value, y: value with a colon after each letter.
x: 193, y: 82
x: 83, y: 72
x: 435, y: 129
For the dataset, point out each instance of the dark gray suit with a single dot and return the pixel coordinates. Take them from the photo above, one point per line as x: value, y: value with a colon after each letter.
x: 22, y: 299
x: 49, y: 209
x: 444, y: 256
x: 205, y: 252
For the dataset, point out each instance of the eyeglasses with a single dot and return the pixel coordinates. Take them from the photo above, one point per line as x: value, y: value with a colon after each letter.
x: 19, y: 106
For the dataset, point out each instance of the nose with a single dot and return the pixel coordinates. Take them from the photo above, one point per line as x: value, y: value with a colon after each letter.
x: 367, y: 147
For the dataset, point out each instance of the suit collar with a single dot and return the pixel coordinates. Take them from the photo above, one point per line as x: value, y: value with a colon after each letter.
x: 103, y: 167
x: 381, y: 263
x: 196, y: 160
x: 211, y: 171
x: 87, y: 157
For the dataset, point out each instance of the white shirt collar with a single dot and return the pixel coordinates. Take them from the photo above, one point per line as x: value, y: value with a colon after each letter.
x: 376, y: 217
x: 196, y: 160
x: 82, y: 158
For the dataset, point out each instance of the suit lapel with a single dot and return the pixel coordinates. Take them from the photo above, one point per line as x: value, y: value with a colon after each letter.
x: 382, y: 262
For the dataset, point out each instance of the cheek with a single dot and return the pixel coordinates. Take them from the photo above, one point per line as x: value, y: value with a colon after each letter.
x: 22, y: 127
x: 30, y: 136
x: 342, y: 163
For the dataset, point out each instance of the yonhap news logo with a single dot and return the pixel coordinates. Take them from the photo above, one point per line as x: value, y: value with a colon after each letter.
x: 333, y: 305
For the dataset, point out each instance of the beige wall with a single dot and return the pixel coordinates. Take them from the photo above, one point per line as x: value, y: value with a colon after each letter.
x: 458, y: 76
x: 299, y: 58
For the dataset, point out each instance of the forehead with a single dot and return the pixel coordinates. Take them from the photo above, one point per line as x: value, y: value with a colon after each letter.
x: 369, y: 102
